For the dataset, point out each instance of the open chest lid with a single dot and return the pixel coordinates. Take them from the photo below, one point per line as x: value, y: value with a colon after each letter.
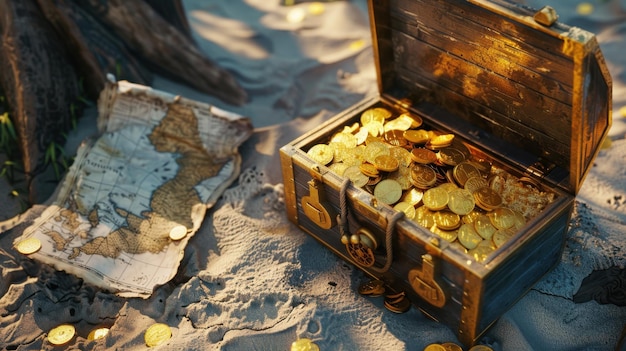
x: 538, y: 96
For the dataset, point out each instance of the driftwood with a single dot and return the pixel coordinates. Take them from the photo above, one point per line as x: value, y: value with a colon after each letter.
x: 51, y: 47
x: 39, y: 82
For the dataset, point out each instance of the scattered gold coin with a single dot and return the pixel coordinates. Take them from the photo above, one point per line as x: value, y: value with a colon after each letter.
x: 316, y: 8
x: 304, y: 344
x: 98, y: 333
x: 434, y: 347
x: 480, y: 348
x: 28, y: 246
x: 178, y: 232
x: 584, y: 8
x: 61, y: 334
x: 156, y: 334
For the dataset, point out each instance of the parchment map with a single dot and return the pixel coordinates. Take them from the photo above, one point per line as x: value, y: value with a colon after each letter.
x: 159, y: 164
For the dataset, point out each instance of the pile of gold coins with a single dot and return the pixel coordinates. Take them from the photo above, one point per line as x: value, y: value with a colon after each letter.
x: 434, y: 179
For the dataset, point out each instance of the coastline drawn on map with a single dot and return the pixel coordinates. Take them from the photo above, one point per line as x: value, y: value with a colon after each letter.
x: 159, y: 163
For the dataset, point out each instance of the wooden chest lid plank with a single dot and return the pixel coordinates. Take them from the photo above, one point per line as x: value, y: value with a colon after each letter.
x: 518, y: 84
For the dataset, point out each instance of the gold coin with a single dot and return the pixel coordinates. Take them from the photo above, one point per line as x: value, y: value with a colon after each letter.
x: 480, y: 348
x: 471, y: 217
x: 28, y: 246
x: 346, y: 139
x: 483, y: 226
x: 434, y: 347
x: 402, y: 123
x: 361, y: 135
x: 375, y: 149
x: 338, y: 168
x: 447, y: 235
x: 447, y: 220
x: 520, y: 221
x: 474, y: 183
x: 388, y: 191
x: 386, y: 163
x: 468, y: 237
x: 482, y: 250
x: 448, y: 187
x: 407, y: 208
x: 450, y: 346
x: 501, y: 236
x: 304, y: 344
x: 424, y: 217
x: 416, y: 121
x: 369, y: 169
x: 321, y: 153
x: 450, y: 156
x: 464, y: 171
x: 401, y: 154
x: 423, y: 176
x: 502, y: 218
x: 423, y: 156
x: 377, y: 114
x: 61, y: 334
x: 436, y: 198
x: 461, y: 201
x: 419, y: 136
x: 413, y: 196
x: 394, y: 137
x: 441, y: 140
x: 98, y: 333
x: 156, y: 334
x: 402, y: 176
x: 178, y: 232
x: 487, y: 198
x: 356, y: 177
x: 374, y: 129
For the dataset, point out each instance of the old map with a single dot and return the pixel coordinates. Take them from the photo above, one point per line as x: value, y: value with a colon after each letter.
x: 160, y: 162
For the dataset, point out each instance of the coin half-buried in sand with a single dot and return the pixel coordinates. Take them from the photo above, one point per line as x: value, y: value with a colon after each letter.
x: 178, y: 232
x: 28, y: 246
x: 61, y: 334
x: 157, y: 334
x: 98, y: 333
x: 304, y: 344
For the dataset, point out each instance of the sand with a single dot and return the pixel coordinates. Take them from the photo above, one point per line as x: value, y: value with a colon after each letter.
x: 251, y: 280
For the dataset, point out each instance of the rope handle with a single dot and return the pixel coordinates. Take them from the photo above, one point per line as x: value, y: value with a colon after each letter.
x: 342, y: 220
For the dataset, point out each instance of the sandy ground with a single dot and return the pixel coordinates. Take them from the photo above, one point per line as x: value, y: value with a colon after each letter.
x: 250, y: 280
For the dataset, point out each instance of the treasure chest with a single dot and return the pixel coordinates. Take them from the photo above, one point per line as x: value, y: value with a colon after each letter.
x: 453, y: 188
